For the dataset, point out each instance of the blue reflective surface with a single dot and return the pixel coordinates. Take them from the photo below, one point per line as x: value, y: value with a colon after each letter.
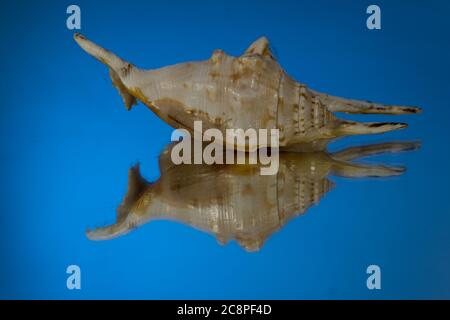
x: 67, y: 143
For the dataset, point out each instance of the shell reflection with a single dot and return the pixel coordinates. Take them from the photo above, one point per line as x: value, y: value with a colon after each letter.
x: 235, y: 201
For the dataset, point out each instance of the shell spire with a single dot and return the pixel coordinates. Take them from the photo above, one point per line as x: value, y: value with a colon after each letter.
x: 352, y: 106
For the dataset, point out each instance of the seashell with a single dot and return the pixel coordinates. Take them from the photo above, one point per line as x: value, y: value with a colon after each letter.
x: 240, y: 204
x: 249, y: 91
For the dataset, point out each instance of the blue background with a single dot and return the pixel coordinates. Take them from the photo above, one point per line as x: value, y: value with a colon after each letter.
x: 67, y: 143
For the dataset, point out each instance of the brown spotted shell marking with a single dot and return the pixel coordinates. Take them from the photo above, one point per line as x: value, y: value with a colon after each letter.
x: 241, y: 204
x: 250, y: 91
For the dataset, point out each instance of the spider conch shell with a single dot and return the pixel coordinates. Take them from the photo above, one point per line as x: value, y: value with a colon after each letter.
x: 249, y: 91
x: 235, y: 202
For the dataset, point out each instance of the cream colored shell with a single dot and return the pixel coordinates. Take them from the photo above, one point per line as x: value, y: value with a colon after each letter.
x: 249, y: 91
